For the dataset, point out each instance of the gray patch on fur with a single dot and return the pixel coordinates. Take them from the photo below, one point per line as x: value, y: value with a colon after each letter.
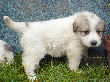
x: 6, y: 46
x: 100, y: 26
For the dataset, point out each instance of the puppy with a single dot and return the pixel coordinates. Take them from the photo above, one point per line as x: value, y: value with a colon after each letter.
x: 6, y: 54
x: 70, y: 35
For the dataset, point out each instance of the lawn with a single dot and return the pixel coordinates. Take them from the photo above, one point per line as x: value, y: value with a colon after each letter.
x: 56, y: 70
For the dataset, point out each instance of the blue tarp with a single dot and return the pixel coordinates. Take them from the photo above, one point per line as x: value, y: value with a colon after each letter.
x: 35, y: 10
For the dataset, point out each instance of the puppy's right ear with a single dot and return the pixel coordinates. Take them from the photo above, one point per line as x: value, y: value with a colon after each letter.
x: 75, y: 27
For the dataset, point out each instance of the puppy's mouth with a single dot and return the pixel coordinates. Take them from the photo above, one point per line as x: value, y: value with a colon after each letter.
x: 92, y: 45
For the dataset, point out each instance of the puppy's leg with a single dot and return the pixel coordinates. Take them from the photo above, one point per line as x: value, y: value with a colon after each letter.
x: 74, y: 58
x: 30, y: 60
x: 29, y: 66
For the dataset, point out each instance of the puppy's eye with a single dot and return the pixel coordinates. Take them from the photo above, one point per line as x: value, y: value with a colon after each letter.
x: 99, y: 32
x: 86, y: 32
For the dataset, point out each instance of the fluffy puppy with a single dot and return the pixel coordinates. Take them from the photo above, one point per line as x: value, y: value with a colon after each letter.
x: 70, y: 35
x: 6, y: 54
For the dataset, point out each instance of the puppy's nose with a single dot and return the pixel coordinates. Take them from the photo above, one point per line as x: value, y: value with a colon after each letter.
x: 93, y: 43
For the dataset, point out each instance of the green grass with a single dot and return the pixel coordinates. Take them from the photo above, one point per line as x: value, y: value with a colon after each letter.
x: 56, y: 70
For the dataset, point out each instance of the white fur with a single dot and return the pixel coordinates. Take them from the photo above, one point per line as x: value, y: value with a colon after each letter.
x: 5, y: 55
x: 53, y: 37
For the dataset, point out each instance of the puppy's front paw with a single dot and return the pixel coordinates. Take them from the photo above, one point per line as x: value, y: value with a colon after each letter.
x: 75, y: 69
x: 33, y: 78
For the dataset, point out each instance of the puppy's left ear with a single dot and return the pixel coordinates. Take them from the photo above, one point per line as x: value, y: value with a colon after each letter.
x: 102, y: 23
x: 75, y: 27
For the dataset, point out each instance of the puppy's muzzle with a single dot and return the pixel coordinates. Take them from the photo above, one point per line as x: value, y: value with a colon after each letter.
x: 93, y: 43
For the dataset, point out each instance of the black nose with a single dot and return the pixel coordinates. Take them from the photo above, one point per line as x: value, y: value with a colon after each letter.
x: 93, y: 43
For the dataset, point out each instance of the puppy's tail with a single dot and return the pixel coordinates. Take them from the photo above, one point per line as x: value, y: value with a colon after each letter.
x: 17, y: 26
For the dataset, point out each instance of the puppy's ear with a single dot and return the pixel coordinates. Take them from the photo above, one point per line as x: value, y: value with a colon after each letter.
x: 103, y: 25
x: 75, y: 27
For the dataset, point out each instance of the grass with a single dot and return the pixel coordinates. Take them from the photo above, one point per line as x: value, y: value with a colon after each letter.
x: 56, y: 70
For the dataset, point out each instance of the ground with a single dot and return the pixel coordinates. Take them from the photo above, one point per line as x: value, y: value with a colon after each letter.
x: 56, y: 70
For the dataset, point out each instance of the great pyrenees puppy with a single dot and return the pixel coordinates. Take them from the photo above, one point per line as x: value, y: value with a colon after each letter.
x: 70, y: 35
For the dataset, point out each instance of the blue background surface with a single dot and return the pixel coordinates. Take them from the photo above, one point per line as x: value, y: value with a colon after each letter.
x: 35, y: 10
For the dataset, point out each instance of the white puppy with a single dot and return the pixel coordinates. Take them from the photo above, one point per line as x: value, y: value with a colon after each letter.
x: 70, y: 36
x: 6, y: 54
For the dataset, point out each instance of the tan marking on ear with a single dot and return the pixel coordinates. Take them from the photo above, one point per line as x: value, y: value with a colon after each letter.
x: 100, y: 25
x: 81, y: 23
x: 27, y: 24
x: 6, y: 46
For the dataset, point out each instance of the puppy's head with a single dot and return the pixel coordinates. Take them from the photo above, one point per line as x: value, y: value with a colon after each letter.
x: 89, y: 28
